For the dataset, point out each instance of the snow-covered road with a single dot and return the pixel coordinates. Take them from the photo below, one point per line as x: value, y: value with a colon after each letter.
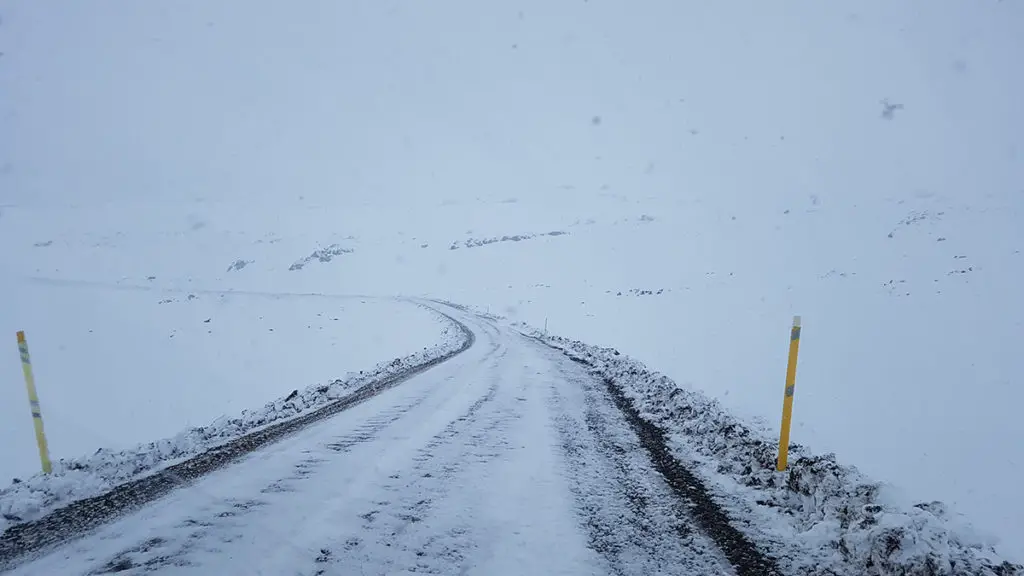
x: 507, y: 459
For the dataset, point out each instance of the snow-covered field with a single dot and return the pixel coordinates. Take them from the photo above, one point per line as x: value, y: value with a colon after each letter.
x: 115, y: 367
x: 715, y: 170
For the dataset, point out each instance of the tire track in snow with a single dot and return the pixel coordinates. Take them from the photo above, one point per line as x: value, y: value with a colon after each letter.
x: 744, y: 555
x: 632, y: 518
x: 396, y: 534
x: 226, y: 522
x: 702, y: 510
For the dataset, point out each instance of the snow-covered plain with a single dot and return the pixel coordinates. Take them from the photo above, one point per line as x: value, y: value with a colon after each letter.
x: 115, y: 367
x: 722, y: 167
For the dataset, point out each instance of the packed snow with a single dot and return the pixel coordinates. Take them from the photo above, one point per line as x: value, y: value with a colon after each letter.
x: 857, y: 163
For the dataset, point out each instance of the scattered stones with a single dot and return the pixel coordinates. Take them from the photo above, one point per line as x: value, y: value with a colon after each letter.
x: 322, y: 255
x: 238, y: 265
x: 476, y: 243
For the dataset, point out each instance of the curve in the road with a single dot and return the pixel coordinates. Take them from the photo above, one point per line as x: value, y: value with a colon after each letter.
x: 508, y: 459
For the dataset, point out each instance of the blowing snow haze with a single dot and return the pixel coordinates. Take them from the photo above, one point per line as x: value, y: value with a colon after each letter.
x: 207, y: 205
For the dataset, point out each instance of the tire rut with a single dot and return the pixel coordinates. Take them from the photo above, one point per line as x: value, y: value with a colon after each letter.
x: 397, y: 531
x: 708, y: 516
x: 632, y: 519
x: 225, y: 521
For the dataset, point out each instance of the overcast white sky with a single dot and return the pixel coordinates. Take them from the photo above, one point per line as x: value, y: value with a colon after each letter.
x: 257, y: 100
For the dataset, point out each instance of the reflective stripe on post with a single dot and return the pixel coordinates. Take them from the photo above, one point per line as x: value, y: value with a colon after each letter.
x: 33, y: 402
x: 787, y: 400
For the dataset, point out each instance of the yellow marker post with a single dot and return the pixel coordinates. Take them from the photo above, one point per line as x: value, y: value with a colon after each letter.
x: 787, y: 401
x: 33, y: 400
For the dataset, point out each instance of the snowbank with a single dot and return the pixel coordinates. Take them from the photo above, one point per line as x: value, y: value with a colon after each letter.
x: 819, y: 517
x: 79, y: 478
x: 122, y: 363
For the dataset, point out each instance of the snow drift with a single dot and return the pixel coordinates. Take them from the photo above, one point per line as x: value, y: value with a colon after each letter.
x: 818, y: 517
